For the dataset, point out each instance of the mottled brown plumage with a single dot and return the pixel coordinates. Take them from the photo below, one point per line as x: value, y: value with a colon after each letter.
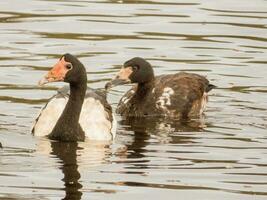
x: 179, y: 95
x: 189, y: 91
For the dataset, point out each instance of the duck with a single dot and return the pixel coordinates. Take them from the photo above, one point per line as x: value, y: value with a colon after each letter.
x: 76, y: 112
x: 181, y: 95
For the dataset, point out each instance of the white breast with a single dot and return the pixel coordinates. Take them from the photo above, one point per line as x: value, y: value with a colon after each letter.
x: 49, y: 115
x: 93, y: 119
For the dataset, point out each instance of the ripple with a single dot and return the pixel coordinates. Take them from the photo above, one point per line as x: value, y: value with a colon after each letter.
x: 236, y: 11
x: 222, y: 155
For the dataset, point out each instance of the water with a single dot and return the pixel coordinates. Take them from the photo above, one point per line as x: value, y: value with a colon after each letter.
x: 222, y: 156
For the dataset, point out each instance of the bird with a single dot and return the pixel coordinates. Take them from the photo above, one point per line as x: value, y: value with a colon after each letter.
x: 181, y: 95
x: 75, y: 112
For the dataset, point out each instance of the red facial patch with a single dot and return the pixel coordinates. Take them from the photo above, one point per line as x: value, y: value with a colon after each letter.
x: 125, y: 73
x: 59, y: 70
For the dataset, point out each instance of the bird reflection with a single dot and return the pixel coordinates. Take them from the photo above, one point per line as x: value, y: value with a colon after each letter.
x: 165, y: 130
x: 67, y: 153
x: 161, y: 125
x: 75, y: 158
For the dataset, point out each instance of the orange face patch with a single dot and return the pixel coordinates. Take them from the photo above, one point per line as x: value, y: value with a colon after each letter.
x: 59, y: 70
x: 124, y: 73
x: 57, y: 73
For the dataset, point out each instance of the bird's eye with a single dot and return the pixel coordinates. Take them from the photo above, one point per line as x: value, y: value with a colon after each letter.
x: 69, y: 66
x: 135, y: 68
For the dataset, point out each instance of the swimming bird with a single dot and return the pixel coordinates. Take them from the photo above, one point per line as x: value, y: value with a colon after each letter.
x: 75, y: 112
x: 180, y: 95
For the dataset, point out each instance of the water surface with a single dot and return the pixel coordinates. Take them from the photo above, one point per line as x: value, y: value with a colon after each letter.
x: 222, y: 156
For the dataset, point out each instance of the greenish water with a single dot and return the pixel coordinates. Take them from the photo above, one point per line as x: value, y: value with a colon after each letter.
x: 222, y: 156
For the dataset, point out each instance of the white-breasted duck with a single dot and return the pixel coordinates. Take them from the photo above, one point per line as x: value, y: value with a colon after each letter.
x: 179, y: 95
x: 75, y: 112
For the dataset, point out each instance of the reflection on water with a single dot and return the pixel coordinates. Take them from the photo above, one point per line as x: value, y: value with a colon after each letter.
x: 72, y: 159
x: 222, y: 156
x: 67, y: 153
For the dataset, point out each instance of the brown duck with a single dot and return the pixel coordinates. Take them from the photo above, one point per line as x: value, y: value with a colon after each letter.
x: 179, y: 95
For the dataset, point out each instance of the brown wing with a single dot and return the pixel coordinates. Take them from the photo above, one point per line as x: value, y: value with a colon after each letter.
x: 188, y: 89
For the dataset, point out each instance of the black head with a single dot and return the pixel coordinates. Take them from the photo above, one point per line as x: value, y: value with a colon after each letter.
x: 76, y: 72
x: 142, y: 70
x: 135, y: 70
x: 68, y: 69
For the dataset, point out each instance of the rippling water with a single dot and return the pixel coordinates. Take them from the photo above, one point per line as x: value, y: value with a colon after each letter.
x: 222, y: 156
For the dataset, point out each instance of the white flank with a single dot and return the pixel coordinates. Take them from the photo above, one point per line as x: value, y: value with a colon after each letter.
x: 49, y: 116
x: 94, y: 120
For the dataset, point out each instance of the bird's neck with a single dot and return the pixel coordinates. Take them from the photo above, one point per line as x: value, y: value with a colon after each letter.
x: 73, y: 108
x: 67, y: 127
x: 144, y: 88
